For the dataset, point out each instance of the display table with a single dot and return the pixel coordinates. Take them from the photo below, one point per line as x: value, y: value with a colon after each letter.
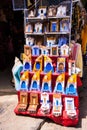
x: 63, y: 119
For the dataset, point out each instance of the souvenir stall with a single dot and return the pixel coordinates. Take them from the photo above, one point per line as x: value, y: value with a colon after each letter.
x: 48, y: 78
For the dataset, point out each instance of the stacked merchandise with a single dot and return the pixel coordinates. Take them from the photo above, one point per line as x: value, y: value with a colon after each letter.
x: 47, y: 81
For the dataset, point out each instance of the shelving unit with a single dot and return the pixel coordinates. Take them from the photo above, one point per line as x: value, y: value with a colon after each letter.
x: 47, y: 19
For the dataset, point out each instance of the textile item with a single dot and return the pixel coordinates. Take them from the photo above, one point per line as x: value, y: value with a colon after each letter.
x: 84, y: 39
x: 77, y: 56
x: 17, y: 68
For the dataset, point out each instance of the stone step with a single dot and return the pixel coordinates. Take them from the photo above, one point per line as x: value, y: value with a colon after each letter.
x: 84, y: 123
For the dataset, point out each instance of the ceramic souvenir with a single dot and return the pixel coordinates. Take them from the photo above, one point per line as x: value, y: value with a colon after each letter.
x: 46, y: 83
x: 35, y: 82
x: 48, y: 64
x: 29, y: 41
x: 24, y: 81
x: 23, y: 102
x: 71, y: 88
x: 60, y: 83
x: 64, y: 50
x: 42, y: 12
x: 57, y: 105
x: 45, y: 103
x: 38, y: 64
x: 33, y: 103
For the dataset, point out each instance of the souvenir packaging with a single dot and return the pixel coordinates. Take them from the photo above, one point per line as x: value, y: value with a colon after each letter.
x: 52, y: 11
x: 54, y: 50
x: 64, y: 50
x: 46, y: 83
x: 24, y: 81
x: 71, y: 88
x: 64, y: 25
x: 70, y: 107
x: 61, y: 11
x: 33, y: 103
x: 48, y: 66
x: 38, y: 64
x: 23, y: 102
x: 54, y: 26
x: 60, y: 83
x: 42, y: 12
x: 60, y: 65
x: 57, y: 105
x: 71, y: 67
x: 51, y: 41
x: 45, y: 103
x: 38, y: 28
x: 29, y: 41
x: 29, y: 28
x: 35, y: 82
x: 31, y: 14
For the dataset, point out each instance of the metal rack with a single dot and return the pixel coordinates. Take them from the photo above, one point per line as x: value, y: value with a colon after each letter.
x: 48, y: 3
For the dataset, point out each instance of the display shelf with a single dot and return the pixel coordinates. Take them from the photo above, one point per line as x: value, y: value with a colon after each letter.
x: 26, y: 33
x: 47, y: 18
x: 41, y: 14
x: 45, y: 87
x: 62, y: 119
x: 47, y: 33
x: 55, y: 33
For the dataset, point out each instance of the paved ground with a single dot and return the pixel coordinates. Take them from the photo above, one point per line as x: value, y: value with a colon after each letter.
x: 10, y: 121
